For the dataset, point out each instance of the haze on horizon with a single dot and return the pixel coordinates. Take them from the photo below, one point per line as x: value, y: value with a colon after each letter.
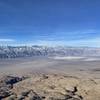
x: 50, y: 22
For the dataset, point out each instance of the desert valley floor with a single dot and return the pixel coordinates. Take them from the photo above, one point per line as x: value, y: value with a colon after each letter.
x: 55, y: 78
x: 73, y: 65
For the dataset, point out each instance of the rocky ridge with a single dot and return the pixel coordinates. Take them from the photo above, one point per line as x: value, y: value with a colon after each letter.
x: 49, y: 87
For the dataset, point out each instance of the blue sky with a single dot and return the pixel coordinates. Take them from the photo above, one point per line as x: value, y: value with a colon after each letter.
x: 50, y: 22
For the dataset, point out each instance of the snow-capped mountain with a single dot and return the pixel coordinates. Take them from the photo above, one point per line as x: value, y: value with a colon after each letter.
x: 29, y: 51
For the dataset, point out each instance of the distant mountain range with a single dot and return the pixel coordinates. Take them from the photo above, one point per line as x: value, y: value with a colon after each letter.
x: 30, y: 51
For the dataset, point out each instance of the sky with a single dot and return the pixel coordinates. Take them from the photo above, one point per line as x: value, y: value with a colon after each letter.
x: 50, y: 22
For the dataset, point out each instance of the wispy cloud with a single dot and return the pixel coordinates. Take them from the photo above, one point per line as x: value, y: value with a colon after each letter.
x: 77, y: 38
x: 95, y: 42
x: 7, y: 40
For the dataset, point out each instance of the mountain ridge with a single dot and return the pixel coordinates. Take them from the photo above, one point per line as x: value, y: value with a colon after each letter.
x: 36, y: 50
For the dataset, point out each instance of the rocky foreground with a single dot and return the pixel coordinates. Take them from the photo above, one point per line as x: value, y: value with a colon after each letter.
x: 49, y: 87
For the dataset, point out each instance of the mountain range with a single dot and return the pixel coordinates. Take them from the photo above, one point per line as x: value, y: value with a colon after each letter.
x: 31, y: 51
